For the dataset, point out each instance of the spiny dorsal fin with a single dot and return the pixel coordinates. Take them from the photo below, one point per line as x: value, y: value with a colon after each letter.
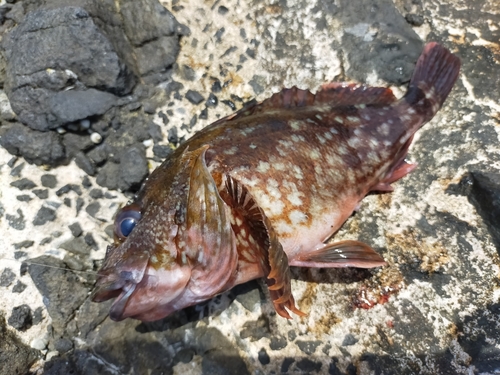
x: 273, y: 260
x: 336, y: 94
x: 342, y: 94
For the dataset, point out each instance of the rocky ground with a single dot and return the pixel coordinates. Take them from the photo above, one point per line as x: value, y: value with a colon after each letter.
x: 83, y: 120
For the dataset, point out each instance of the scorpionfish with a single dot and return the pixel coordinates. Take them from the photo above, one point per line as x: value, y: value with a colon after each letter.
x: 264, y: 189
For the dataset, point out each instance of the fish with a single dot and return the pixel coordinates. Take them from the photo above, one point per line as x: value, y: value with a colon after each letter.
x: 265, y: 189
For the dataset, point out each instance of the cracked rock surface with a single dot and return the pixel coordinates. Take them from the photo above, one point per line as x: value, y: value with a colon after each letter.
x: 434, y: 309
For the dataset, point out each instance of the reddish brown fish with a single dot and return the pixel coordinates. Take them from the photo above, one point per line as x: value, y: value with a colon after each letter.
x: 263, y: 189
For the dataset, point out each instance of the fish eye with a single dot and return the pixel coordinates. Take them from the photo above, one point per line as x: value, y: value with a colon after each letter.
x: 126, y: 220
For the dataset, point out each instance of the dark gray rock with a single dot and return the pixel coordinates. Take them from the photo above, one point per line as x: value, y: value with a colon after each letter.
x: 23, y: 198
x: 66, y: 40
x: 85, y: 164
x: 36, y: 147
x: 74, y: 142
x: 76, y: 229
x: 264, y: 357
x: 308, y: 347
x: 41, y: 193
x: 194, y: 97
x: 16, y: 222
x: 133, y: 168
x: 308, y: 366
x: 349, y: 339
x: 7, y: 277
x: 96, y: 193
x: 23, y: 244
x: 108, y: 175
x: 23, y: 184
x: 62, y: 290
x: 162, y: 151
x: 17, y: 358
x: 44, y: 215
x: 256, y: 330
x: 63, y: 345
x: 16, y: 171
x: 76, y: 246
x: 21, y: 318
x: 93, y: 208
x: 19, y: 287
x: 89, y: 240
x: 212, y: 100
x: 374, y: 45
x: 277, y: 343
x: 49, y: 181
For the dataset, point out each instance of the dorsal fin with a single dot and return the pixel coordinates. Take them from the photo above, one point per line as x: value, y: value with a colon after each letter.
x: 335, y: 93
x: 342, y: 94
x: 267, y: 248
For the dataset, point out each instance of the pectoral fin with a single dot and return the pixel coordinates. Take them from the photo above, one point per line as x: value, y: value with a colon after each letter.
x: 341, y: 254
x: 269, y: 252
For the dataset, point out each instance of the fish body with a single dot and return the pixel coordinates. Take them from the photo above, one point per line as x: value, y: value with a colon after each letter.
x: 263, y: 189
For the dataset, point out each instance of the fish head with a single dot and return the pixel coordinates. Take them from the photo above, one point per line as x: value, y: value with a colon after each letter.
x: 166, y: 251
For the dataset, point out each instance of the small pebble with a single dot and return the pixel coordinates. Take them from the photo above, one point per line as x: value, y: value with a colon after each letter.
x: 41, y: 193
x: 19, y: 287
x: 147, y: 143
x: 21, y: 318
x: 96, y: 138
x: 194, y: 97
x: 49, y: 181
x: 61, y: 130
x: 50, y: 355
x: 76, y: 229
x: 40, y: 342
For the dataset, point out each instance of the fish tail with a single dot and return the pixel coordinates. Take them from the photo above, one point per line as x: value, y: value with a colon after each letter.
x: 434, y: 76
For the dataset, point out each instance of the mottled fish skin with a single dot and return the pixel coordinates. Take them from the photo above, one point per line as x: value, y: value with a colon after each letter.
x: 263, y: 189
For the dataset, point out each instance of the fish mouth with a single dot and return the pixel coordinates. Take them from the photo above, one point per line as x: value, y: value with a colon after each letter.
x: 121, y: 287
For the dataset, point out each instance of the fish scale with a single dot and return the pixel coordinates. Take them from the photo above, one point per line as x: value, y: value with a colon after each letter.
x: 263, y: 189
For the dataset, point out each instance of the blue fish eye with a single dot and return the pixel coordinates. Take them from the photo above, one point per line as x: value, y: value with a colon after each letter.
x: 126, y: 220
x: 127, y: 225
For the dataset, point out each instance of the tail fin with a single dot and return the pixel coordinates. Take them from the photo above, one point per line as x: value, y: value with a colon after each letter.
x: 434, y: 76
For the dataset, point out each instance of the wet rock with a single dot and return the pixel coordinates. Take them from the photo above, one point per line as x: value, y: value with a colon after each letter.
x: 85, y: 164
x: 36, y: 147
x: 89, y: 240
x: 63, y: 345
x: 277, y: 343
x: 17, y: 358
x: 44, y: 215
x: 16, y: 172
x: 21, y: 318
x: 74, y: 143
x: 212, y: 100
x: 49, y: 181
x: 62, y: 290
x: 7, y: 277
x: 23, y: 198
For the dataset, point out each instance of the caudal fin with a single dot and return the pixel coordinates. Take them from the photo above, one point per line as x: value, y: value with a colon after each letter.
x: 434, y: 76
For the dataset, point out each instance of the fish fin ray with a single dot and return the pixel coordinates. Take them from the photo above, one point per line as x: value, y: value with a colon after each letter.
x: 343, y: 94
x: 273, y: 259
x: 341, y: 254
x: 210, y: 243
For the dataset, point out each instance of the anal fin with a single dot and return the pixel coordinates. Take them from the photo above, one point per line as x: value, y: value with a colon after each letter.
x: 266, y: 246
x: 341, y: 254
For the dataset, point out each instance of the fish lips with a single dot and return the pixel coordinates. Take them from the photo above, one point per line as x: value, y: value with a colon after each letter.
x: 119, y: 284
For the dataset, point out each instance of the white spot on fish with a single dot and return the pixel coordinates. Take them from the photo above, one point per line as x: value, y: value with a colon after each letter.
x: 294, y: 198
x: 314, y: 154
x: 231, y: 151
x: 411, y: 111
x: 339, y: 119
x: 320, y: 139
x: 333, y: 131
x: 296, y: 125
x: 282, y: 226
x: 354, y: 119
x: 263, y: 167
x: 297, y: 217
x: 252, y: 146
x: 354, y: 142
x: 319, y: 117
x: 384, y: 129
x: 328, y: 136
